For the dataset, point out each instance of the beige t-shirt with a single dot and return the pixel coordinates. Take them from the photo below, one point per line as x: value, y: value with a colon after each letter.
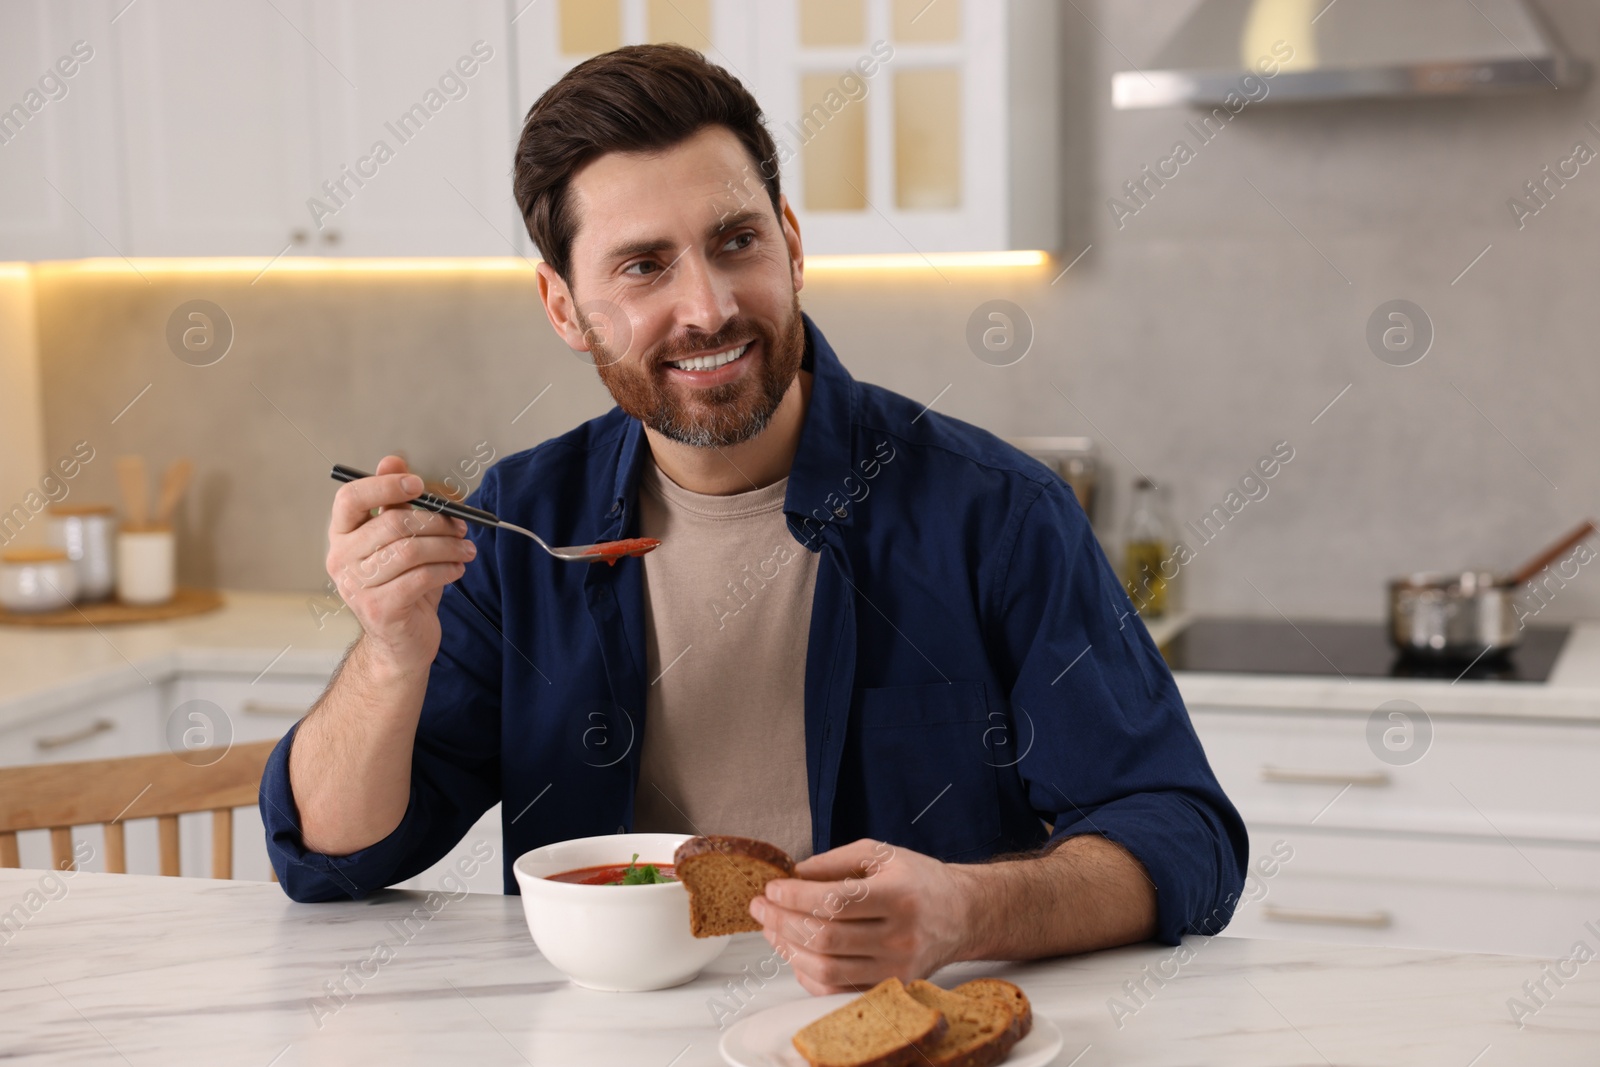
x: 727, y: 601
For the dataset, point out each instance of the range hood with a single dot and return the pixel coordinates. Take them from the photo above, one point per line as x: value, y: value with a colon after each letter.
x: 1340, y: 49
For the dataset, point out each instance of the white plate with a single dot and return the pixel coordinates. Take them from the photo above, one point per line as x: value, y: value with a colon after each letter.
x: 764, y: 1039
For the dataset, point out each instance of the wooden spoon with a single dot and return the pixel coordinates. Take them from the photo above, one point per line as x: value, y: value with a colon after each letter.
x: 173, y: 483
x: 135, y: 488
x: 1548, y: 556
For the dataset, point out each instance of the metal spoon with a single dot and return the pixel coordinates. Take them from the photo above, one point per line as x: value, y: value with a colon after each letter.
x: 608, y: 551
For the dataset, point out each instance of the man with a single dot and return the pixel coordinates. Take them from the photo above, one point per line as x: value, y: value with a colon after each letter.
x: 871, y: 632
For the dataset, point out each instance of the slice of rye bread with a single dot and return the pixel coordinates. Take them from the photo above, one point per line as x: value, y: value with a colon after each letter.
x: 981, y: 1029
x: 723, y: 874
x: 1013, y: 997
x: 884, y: 1027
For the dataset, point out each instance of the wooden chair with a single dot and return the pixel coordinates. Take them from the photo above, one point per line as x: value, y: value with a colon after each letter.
x: 60, y: 796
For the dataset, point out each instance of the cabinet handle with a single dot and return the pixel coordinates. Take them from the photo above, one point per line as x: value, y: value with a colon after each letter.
x: 1373, y: 920
x: 288, y: 711
x: 1269, y: 773
x: 72, y: 737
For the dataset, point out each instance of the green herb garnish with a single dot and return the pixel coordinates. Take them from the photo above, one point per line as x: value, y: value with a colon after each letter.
x: 648, y: 874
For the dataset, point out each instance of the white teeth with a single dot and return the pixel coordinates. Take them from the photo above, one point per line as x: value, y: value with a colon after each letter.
x: 721, y: 359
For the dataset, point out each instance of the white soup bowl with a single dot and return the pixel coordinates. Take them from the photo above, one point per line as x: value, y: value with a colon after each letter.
x: 619, y: 938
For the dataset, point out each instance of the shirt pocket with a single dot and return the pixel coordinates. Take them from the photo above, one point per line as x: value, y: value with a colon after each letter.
x: 927, y: 775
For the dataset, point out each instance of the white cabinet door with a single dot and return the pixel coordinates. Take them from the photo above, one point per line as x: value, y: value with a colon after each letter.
x: 1528, y: 780
x: 913, y: 128
x: 58, y: 143
x: 248, y: 708
x: 216, y: 114
x: 125, y: 724
x: 414, y: 136
x: 1421, y: 892
x: 900, y: 126
x: 550, y: 37
x: 1489, y: 840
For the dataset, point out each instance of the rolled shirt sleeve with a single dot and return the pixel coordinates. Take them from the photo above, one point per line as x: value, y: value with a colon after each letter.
x: 1115, y: 753
x: 455, y: 767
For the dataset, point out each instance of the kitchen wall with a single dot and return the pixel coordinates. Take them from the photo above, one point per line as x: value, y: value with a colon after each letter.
x: 1221, y: 318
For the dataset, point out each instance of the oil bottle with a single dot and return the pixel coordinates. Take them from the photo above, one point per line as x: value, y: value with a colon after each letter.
x: 1146, y: 547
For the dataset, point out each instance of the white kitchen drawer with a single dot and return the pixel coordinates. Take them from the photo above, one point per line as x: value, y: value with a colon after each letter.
x: 121, y: 725
x: 1423, y: 892
x: 254, y: 709
x: 1526, y: 779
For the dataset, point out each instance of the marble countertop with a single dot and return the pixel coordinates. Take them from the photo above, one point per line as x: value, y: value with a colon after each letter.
x: 125, y: 969
x: 43, y: 670
x: 47, y: 670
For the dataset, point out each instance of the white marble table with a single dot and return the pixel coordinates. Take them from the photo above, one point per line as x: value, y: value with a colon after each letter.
x: 122, y: 969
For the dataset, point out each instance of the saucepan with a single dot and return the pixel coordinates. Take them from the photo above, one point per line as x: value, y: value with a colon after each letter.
x: 1465, y: 614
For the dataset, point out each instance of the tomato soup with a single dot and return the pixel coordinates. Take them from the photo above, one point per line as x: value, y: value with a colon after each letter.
x: 608, y: 874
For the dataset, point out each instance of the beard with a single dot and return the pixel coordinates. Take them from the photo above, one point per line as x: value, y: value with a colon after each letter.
x: 722, y: 415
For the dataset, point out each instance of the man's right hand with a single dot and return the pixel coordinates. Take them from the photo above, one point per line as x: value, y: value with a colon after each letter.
x: 350, y: 768
x: 391, y: 569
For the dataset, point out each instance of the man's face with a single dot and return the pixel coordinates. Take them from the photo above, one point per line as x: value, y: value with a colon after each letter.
x: 685, y: 287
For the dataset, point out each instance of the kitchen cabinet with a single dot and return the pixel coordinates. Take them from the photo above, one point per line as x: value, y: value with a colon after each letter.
x: 125, y: 724
x: 1490, y: 841
x: 57, y: 132
x: 413, y: 130
x: 364, y: 128
x: 349, y: 127
x: 550, y: 38
x: 899, y: 126
x: 909, y: 127
x: 215, y: 101
x: 1477, y: 894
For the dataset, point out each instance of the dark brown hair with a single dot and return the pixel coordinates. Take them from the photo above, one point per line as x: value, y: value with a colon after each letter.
x: 638, y: 98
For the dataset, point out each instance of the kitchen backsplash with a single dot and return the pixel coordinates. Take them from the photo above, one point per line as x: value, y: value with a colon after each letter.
x: 1219, y: 311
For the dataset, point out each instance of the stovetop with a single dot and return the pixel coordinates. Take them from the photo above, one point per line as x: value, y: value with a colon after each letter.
x: 1348, y: 649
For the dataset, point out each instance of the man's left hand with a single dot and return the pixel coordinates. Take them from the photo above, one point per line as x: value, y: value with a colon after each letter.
x: 857, y: 914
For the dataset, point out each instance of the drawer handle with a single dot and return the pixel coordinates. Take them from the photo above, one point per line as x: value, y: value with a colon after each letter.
x: 285, y: 711
x: 1270, y: 773
x: 72, y: 737
x: 1373, y: 920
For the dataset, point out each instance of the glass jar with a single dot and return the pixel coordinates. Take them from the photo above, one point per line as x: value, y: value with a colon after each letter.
x: 37, y: 579
x: 87, y: 534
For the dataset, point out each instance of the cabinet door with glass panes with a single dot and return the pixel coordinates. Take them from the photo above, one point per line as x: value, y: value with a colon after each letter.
x: 553, y: 36
x: 900, y: 126
x: 914, y: 126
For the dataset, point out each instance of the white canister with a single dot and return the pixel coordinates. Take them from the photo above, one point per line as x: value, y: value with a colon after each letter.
x: 37, y: 579
x: 87, y: 533
x: 146, y: 564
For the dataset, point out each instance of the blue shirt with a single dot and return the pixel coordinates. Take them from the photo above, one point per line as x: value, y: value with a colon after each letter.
x: 974, y: 670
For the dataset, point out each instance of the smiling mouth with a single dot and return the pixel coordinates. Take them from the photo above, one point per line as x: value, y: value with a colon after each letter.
x: 721, y: 359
